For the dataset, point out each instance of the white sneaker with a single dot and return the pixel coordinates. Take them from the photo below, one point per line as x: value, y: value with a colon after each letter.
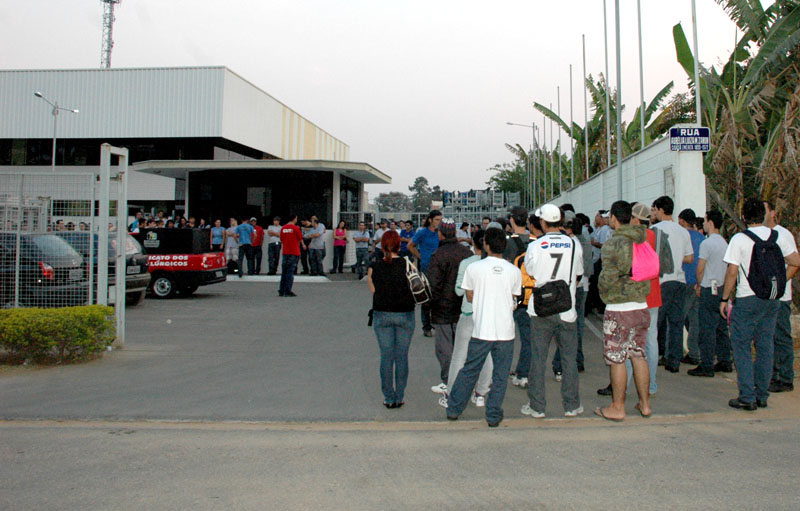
x: 520, y: 382
x: 439, y: 389
x: 575, y: 412
x: 478, y: 400
x: 527, y: 410
x: 443, y: 400
x: 558, y: 376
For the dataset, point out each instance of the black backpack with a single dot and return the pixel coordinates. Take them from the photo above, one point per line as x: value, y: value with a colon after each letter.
x: 767, y: 272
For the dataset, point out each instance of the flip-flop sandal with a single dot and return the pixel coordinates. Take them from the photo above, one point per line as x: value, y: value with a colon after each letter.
x: 642, y: 414
x: 599, y: 411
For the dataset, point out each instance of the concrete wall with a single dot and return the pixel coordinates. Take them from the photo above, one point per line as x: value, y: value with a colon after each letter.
x: 647, y: 175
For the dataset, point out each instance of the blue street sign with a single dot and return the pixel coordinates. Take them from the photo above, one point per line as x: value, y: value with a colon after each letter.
x: 689, y: 139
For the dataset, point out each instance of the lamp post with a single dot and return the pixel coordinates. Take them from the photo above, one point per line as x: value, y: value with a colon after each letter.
x: 533, y: 145
x: 55, y: 111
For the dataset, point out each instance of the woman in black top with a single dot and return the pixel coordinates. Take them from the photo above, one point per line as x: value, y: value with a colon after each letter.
x: 393, y: 318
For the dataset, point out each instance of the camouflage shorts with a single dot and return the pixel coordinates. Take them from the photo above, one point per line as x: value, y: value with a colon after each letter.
x: 624, y: 335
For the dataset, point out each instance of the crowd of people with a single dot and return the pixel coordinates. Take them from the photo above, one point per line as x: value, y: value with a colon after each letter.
x: 535, y: 278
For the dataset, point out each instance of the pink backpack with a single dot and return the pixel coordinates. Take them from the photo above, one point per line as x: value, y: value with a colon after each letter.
x: 645, y: 262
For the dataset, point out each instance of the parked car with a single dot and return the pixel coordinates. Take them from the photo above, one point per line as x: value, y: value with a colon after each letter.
x: 137, y: 275
x: 181, y: 260
x: 51, y: 272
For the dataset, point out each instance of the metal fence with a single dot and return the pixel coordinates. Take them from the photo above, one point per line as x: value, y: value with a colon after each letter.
x: 56, y: 249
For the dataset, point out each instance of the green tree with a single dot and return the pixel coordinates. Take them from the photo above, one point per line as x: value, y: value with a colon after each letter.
x: 393, y: 201
x: 422, y: 194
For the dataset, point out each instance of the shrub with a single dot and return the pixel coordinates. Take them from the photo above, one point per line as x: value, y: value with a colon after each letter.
x: 61, y: 334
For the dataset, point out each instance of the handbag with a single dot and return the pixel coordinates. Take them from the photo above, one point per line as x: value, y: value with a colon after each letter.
x: 554, y: 297
x: 417, y: 283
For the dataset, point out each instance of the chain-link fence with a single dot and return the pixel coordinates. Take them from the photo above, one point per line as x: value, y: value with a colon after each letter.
x: 46, y: 221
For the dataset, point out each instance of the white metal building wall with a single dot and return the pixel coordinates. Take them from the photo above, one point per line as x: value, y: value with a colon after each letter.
x: 647, y: 175
x: 160, y: 103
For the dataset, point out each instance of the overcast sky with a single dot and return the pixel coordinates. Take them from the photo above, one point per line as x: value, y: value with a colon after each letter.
x: 414, y: 87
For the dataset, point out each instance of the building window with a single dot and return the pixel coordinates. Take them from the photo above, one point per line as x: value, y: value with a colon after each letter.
x: 349, y: 198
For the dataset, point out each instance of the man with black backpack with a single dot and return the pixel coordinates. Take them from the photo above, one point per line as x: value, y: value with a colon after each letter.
x: 516, y: 246
x: 759, y: 264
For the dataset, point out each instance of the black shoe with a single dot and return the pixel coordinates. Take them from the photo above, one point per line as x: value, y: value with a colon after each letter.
x: 689, y: 360
x: 605, y: 391
x: 400, y: 404
x: 672, y: 368
x: 304, y: 273
x: 662, y: 361
x: 761, y: 403
x: 700, y: 371
x: 494, y: 424
x: 735, y: 403
x: 452, y: 417
x: 290, y: 294
x: 580, y: 368
x: 427, y: 332
x: 280, y: 294
x: 779, y: 386
x: 723, y: 367
x: 389, y: 405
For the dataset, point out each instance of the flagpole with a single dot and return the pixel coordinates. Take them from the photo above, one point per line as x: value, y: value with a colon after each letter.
x: 608, y: 98
x: 641, y: 74
x: 619, y: 107
x: 560, y: 179
x: 571, y: 145
x: 585, y: 110
x: 697, y: 66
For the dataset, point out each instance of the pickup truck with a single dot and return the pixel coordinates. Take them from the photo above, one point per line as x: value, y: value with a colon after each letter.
x: 180, y: 260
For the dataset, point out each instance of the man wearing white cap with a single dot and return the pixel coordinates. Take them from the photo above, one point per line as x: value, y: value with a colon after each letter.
x: 556, y: 262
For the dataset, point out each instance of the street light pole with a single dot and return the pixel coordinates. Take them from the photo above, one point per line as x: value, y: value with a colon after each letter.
x: 531, y: 176
x: 55, y: 111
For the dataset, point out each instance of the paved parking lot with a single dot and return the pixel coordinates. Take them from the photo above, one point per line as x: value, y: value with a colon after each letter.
x: 237, y: 351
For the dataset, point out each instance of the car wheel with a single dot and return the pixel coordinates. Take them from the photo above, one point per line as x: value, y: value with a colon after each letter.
x: 135, y: 298
x: 163, y: 287
x: 188, y: 289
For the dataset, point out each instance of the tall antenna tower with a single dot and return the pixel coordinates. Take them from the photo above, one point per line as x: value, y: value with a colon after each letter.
x: 108, y: 31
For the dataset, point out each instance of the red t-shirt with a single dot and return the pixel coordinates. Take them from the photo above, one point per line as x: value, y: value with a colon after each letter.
x: 654, y: 298
x: 291, y: 237
x: 258, y: 236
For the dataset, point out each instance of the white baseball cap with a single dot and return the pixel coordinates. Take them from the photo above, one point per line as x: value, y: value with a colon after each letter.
x: 550, y: 213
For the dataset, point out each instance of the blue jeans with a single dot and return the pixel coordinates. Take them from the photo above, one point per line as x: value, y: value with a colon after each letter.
x: 338, y: 258
x: 246, y: 251
x: 523, y: 321
x: 691, y: 320
x: 673, y: 295
x: 362, y: 261
x: 502, y: 354
x: 258, y: 255
x: 753, y: 321
x: 288, y: 267
x: 650, y: 352
x: 274, y: 254
x: 783, y: 369
x: 713, y: 338
x: 315, y: 256
x: 394, y: 331
x: 580, y: 307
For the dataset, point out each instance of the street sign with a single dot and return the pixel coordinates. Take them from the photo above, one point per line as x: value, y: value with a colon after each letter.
x: 689, y: 139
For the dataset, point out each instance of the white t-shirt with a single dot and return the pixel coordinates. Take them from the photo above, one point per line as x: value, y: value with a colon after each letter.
x: 378, y: 236
x: 712, y: 250
x: 681, y: 244
x: 783, y: 232
x: 740, y: 249
x: 272, y: 240
x: 494, y: 282
x: 548, y: 259
x: 600, y: 235
x: 462, y: 236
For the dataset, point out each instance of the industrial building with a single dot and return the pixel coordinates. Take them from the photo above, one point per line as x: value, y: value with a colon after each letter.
x: 203, y: 140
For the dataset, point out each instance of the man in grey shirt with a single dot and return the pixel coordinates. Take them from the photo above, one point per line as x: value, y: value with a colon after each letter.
x: 713, y: 338
x: 274, y: 245
x: 316, y: 250
x: 361, y: 239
